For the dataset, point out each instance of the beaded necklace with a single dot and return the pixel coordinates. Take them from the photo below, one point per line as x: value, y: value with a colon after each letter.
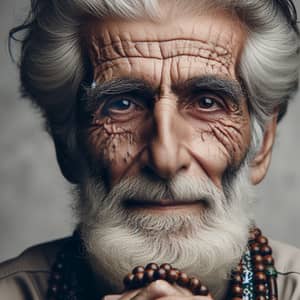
x: 254, y: 278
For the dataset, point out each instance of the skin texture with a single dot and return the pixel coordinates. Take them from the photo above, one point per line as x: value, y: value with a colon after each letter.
x: 163, y: 112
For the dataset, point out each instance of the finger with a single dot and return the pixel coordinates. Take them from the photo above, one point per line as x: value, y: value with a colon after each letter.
x: 158, y: 289
x: 209, y: 297
x: 125, y: 296
x: 112, y: 297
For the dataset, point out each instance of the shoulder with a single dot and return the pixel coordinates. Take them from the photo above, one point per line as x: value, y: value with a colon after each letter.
x: 287, y: 263
x: 26, y: 276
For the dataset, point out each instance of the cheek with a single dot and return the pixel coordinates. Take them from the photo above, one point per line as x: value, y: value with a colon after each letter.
x: 114, y: 147
x: 220, y: 144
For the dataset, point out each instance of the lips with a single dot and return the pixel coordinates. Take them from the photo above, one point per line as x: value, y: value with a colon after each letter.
x: 163, y: 203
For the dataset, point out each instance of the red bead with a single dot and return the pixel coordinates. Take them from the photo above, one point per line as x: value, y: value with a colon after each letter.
x: 138, y: 269
x: 260, y: 289
x: 237, y: 279
x: 160, y: 274
x: 257, y: 259
x: 260, y: 277
x: 202, y: 290
x: 57, y: 277
x: 255, y: 249
x: 262, y: 240
x: 266, y: 250
x: 138, y: 280
x: 128, y: 279
x: 237, y: 290
x: 149, y: 275
x: 268, y: 260
x: 259, y: 267
x: 172, y: 276
x: 194, y: 284
x: 238, y: 269
x: 54, y: 289
x: 183, y: 279
x: 167, y: 267
x: 152, y: 266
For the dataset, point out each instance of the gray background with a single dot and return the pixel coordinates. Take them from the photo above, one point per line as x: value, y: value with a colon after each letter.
x: 35, y: 202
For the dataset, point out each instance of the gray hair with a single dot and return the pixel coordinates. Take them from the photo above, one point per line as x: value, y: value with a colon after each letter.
x: 54, y: 62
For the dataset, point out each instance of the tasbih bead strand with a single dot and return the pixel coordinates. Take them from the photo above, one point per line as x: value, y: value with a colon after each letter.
x: 140, y: 277
x: 264, y: 271
x: 237, y: 283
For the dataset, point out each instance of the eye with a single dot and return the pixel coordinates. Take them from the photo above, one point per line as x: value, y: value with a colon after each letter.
x: 206, y: 102
x: 121, y: 105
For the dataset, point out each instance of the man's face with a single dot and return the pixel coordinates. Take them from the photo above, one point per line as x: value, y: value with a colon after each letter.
x: 166, y: 122
x: 168, y: 99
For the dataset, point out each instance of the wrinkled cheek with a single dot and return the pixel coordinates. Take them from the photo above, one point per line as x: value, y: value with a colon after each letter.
x: 113, y: 150
x: 219, y: 148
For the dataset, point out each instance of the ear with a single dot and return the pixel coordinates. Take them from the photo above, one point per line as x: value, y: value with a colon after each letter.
x: 260, y: 163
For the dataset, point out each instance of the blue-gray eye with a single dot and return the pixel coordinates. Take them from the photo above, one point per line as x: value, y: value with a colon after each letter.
x: 122, y: 104
x: 206, y: 102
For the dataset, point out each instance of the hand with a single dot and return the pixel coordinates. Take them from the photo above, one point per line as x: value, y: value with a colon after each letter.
x: 159, y: 289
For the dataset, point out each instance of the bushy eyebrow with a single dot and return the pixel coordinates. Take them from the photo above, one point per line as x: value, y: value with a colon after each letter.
x: 226, y: 88
x: 120, y: 86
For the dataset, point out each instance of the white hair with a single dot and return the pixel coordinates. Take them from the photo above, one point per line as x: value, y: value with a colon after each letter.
x: 207, y: 244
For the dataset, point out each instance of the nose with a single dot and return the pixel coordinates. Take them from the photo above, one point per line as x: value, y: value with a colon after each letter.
x: 167, y: 149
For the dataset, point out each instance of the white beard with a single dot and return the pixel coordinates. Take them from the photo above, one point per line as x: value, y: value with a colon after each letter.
x: 207, y: 245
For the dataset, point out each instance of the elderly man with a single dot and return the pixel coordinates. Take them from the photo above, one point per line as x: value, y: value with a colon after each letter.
x: 163, y: 115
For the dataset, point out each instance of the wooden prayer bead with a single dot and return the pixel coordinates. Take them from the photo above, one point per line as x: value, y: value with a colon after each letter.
x: 238, y: 269
x: 262, y: 240
x: 266, y: 250
x: 268, y: 260
x: 237, y: 290
x: 202, y: 290
x: 194, y: 284
x: 128, y: 280
x: 260, y: 277
x: 172, y: 276
x: 152, y: 266
x: 183, y: 279
x: 57, y: 276
x: 237, y: 279
x: 259, y: 267
x: 54, y: 289
x: 160, y: 274
x: 138, y: 269
x: 261, y: 297
x: 167, y: 267
x: 260, y: 289
x: 255, y: 249
x: 149, y: 275
x: 138, y: 279
x: 257, y: 259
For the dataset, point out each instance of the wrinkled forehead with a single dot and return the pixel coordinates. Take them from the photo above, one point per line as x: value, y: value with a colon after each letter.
x: 215, y: 38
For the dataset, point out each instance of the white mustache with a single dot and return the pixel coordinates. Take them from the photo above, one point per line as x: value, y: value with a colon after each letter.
x: 180, y: 190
